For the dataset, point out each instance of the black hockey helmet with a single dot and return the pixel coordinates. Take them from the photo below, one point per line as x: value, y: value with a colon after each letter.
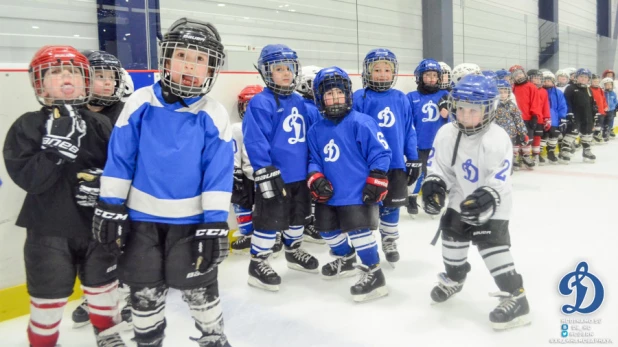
x: 101, y: 61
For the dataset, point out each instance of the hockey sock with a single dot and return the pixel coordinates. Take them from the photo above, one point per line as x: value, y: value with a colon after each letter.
x: 337, y: 241
x: 103, y: 305
x: 148, y: 313
x: 366, y: 246
x: 500, y: 264
x: 206, y: 310
x: 295, y: 233
x: 263, y: 241
x: 526, y: 150
x: 455, y: 257
x: 389, y: 222
x: 244, y: 220
x: 586, y: 140
x: 536, y: 145
x: 45, y: 317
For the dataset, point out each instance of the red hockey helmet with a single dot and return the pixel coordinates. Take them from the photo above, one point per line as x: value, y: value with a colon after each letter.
x: 54, y: 56
x: 245, y: 95
x: 609, y: 71
x: 516, y: 67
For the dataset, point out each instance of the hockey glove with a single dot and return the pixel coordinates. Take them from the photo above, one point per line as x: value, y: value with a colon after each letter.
x: 64, y: 130
x: 269, y: 183
x: 547, y: 124
x: 523, y: 139
x: 238, y: 180
x: 479, y: 206
x: 88, y: 187
x: 413, y: 167
x: 110, y: 226
x: 534, y: 120
x: 434, y: 194
x: 321, y: 188
x: 563, y: 125
x: 210, y: 246
x: 376, y: 187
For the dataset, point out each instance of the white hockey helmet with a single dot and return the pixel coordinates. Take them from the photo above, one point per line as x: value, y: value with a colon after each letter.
x: 305, y: 87
x: 549, y: 75
x: 447, y: 74
x: 569, y: 71
x: 465, y: 69
x: 607, y: 80
x: 129, y: 88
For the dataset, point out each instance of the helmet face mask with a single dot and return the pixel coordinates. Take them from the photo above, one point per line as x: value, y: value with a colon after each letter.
x: 380, y: 70
x: 445, y: 80
x: 474, y: 101
x: 428, y: 75
x: 333, y: 93
x: 108, y: 80
x: 280, y: 69
x: 606, y: 81
x: 245, y: 95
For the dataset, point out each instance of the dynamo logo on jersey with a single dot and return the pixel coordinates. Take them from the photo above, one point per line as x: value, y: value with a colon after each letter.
x: 295, y: 123
x: 332, y: 151
x: 432, y: 112
x: 387, y: 118
x: 590, y: 292
x: 234, y: 146
x: 471, y: 171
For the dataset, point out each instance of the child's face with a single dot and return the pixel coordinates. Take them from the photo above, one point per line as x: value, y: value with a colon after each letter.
x: 189, y: 67
x: 610, y: 75
x: 282, y: 74
x: 334, y: 96
x: 583, y: 79
x: 104, y: 82
x: 504, y: 93
x: 382, y: 72
x: 596, y: 82
x: 563, y: 79
x: 430, y: 78
x: 469, y: 115
x: 609, y: 86
x: 548, y: 83
x: 536, y: 80
x: 64, y: 83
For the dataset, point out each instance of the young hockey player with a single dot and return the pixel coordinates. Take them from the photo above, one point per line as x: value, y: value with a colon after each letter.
x: 581, y: 115
x: 472, y: 162
x: 392, y: 110
x: 346, y: 205
x: 446, y: 81
x: 558, y: 109
x: 305, y: 88
x: 426, y: 117
x: 166, y: 187
x: 599, y: 97
x: 508, y: 117
x: 45, y: 152
x: 610, y: 74
x: 562, y: 79
x: 243, y: 190
x: 531, y: 109
x: 274, y: 130
x: 129, y: 88
x: 502, y: 74
x: 612, y: 104
x: 543, y: 123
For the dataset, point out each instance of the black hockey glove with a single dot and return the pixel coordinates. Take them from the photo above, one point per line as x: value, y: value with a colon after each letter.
x: 376, y: 187
x: 534, y: 120
x: 110, y: 226
x: 210, y: 246
x: 564, y: 122
x: 413, y: 168
x: 269, y: 183
x: 238, y: 180
x: 88, y: 187
x: 321, y: 188
x: 63, y: 132
x: 522, y: 139
x: 434, y: 194
x: 479, y: 206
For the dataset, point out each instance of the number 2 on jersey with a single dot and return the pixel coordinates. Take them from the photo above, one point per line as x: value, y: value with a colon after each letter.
x: 432, y: 153
x: 501, y: 174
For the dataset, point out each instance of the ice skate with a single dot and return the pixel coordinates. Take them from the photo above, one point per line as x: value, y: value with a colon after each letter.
x: 262, y: 275
x: 371, y: 284
x: 311, y: 235
x: 341, y: 267
x: 389, y: 247
x: 242, y: 245
x: 299, y: 259
x: 588, y: 156
x: 445, y: 289
x: 513, y: 310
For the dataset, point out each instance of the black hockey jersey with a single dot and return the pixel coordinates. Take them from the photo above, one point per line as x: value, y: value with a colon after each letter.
x: 112, y: 112
x: 580, y: 102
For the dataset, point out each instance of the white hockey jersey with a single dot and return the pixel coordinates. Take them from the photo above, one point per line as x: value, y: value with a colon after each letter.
x: 483, y: 159
x: 241, y: 159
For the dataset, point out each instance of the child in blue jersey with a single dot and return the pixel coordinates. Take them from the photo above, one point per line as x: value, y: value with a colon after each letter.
x: 274, y: 130
x: 167, y: 185
x: 612, y: 103
x: 425, y: 102
x: 557, y: 110
x: 348, y: 162
x: 391, y: 109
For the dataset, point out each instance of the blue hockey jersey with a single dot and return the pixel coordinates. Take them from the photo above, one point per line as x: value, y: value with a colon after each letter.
x: 275, y: 135
x: 345, y: 153
x: 170, y: 163
x: 426, y: 116
x: 391, y: 109
x: 557, y: 105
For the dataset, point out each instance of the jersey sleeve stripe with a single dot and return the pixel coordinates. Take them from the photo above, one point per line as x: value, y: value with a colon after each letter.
x: 216, y: 200
x: 112, y: 187
x: 166, y: 208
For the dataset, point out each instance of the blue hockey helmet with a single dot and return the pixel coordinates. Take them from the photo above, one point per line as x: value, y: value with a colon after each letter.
x: 489, y: 74
x: 480, y: 95
x: 502, y: 73
x: 273, y: 56
x: 374, y: 56
x: 327, y: 79
x: 424, y: 66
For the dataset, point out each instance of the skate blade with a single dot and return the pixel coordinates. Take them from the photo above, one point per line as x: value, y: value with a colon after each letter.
x: 300, y: 268
x: 276, y: 254
x: 240, y: 251
x: 392, y: 264
x: 254, y: 282
x: 517, y: 322
x: 343, y: 274
x: 77, y: 325
x: 553, y: 162
x: 564, y: 162
x: 312, y: 240
x: 413, y: 216
x: 374, y: 294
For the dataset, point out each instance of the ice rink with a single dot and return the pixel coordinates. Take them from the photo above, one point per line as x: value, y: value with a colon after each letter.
x: 562, y: 215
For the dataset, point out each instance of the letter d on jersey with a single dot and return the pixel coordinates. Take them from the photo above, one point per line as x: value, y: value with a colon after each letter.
x: 387, y: 117
x: 332, y: 151
x: 431, y: 110
x: 576, y: 286
x: 295, y: 123
x: 471, y: 171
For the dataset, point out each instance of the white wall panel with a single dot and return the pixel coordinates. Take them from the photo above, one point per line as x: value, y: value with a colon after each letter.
x: 578, y: 14
x: 578, y: 34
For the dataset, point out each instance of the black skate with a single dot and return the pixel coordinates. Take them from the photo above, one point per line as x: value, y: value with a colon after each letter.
x: 371, y: 284
x: 564, y: 157
x: 109, y: 338
x: 242, y: 245
x: 516, y: 164
x: 578, y: 145
x: 445, y: 289
x: 340, y: 267
x: 389, y: 247
x: 212, y: 341
x: 541, y: 160
x: 261, y: 275
x: 153, y: 342
x: 551, y: 158
x: 512, y: 311
x: 311, y: 235
x: 598, y: 139
x: 528, y: 162
x: 612, y: 135
x: 125, y: 314
x: 278, y: 245
x: 412, y: 206
x: 588, y: 156
x: 80, y: 315
x: 300, y: 260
